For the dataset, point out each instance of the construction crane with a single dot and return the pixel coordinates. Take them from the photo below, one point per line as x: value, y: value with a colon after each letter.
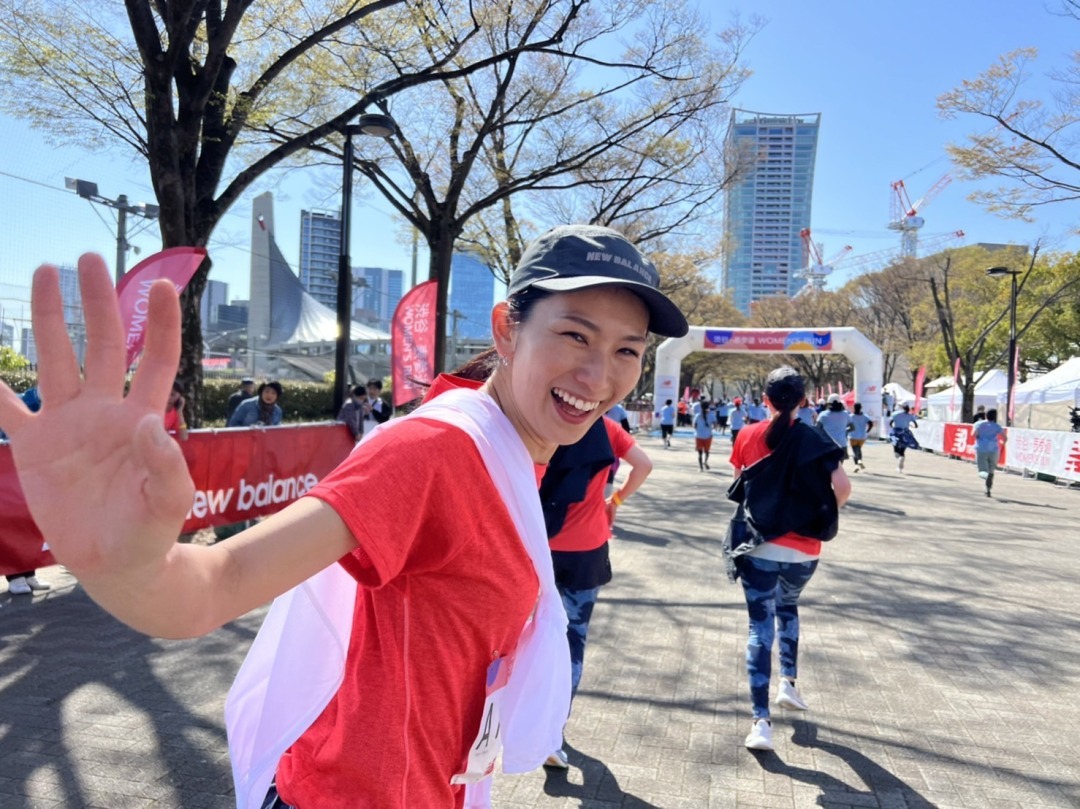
x: 905, y: 217
x: 817, y: 269
x: 869, y: 262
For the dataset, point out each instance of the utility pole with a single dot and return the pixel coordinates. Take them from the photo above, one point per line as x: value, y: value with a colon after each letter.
x: 455, y: 316
x: 89, y: 191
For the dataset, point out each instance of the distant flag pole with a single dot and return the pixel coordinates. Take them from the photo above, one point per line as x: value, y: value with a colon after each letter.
x: 176, y: 264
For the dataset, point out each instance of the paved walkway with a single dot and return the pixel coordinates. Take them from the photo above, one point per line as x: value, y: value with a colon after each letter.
x: 939, y: 655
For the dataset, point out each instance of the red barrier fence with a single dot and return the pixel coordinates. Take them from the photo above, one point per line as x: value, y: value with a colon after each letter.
x: 239, y: 474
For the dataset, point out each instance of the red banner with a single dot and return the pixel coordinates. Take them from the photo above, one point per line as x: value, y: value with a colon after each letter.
x: 239, y: 474
x: 177, y: 264
x: 413, y: 343
x: 959, y: 442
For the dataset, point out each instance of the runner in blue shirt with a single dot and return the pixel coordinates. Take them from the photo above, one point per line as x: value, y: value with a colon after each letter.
x: 858, y: 430
x: 667, y: 422
x: 989, y: 436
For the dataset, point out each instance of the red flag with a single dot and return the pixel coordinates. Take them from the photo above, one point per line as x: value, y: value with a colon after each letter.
x: 177, y: 264
x: 830, y: 388
x: 413, y: 343
x: 840, y: 385
x: 920, y: 379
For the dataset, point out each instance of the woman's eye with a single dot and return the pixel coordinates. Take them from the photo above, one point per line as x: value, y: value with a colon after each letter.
x: 630, y: 352
x: 573, y: 335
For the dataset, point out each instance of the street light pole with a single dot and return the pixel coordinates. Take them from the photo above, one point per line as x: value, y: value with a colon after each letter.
x: 999, y: 272
x: 376, y: 125
x: 89, y: 191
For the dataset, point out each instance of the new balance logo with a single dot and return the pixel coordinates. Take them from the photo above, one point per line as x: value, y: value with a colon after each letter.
x: 1072, y: 463
x: 961, y: 443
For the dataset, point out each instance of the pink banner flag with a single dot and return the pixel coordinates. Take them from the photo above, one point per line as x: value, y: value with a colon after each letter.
x: 840, y: 385
x: 920, y: 380
x: 830, y: 388
x: 177, y: 264
x: 413, y: 343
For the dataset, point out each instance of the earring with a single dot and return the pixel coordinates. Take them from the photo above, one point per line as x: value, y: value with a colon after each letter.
x: 504, y: 361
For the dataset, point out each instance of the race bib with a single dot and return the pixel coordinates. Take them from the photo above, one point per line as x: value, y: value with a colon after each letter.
x: 488, y: 744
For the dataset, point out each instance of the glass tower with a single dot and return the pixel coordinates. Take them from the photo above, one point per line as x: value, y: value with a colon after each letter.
x: 320, y: 249
x: 765, y: 210
x: 472, y: 294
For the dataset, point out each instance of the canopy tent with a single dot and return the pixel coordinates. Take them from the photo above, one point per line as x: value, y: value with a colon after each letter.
x: 945, y: 405
x: 1043, y: 403
x: 940, y: 382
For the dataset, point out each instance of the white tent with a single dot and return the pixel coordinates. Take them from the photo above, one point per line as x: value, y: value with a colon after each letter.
x: 1043, y: 403
x: 945, y: 405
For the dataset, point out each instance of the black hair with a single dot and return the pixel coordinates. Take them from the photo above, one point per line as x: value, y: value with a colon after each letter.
x: 858, y: 407
x: 785, y: 390
x: 667, y: 402
x: 991, y: 415
x: 358, y: 390
x: 375, y: 382
x: 178, y: 387
x: 479, y: 368
x: 273, y: 384
x: 836, y: 406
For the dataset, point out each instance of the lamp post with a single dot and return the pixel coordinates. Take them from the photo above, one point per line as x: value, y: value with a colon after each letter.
x: 1001, y: 272
x: 379, y: 126
x: 89, y: 191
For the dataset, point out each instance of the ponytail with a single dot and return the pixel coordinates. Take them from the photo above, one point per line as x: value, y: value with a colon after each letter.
x: 781, y: 423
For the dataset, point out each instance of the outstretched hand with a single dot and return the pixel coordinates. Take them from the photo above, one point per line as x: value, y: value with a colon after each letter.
x: 105, y: 484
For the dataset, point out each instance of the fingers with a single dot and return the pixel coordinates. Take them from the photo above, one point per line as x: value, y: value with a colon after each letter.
x: 58, y: 370
x: 161, y: 354
x: 167, y: 490
x: 106, y: 352
x: 13, y: 412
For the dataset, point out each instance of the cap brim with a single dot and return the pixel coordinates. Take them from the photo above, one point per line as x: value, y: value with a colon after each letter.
x: 665, y: 318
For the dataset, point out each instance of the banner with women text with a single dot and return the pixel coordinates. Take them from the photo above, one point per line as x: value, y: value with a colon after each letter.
x: 239, y: 474
x: 177, y: 264
x: 412, y: 343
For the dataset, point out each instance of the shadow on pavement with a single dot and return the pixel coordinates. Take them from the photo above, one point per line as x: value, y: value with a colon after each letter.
x: 599, y: 786
x: 92, y: 713
x: 835, y: 793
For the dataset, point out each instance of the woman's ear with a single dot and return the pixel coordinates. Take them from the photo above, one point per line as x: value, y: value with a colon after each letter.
x: 502, y: 329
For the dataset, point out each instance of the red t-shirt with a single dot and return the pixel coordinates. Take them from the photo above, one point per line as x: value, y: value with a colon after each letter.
x: 586, y: 525
x: 750, y: 448
x: 446, y: 587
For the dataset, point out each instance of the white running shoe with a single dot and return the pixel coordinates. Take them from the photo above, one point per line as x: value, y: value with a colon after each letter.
x: 760, y: 736
x: 984, y: 475
x: 788, y: 697
x: 37, y: 585
x: 19, y: 587
x: 558, y: 760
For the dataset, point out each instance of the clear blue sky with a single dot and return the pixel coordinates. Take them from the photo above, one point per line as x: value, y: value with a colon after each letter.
x: 873, y: 70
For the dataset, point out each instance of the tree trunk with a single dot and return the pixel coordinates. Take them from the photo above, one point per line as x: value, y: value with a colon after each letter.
x: 441, y: 238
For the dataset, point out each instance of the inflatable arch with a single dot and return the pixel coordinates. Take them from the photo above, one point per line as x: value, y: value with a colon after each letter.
x: 864, y: 355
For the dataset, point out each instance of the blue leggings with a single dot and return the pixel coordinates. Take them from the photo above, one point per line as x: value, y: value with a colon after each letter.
x: 579, y: 606
x: 772, y: 591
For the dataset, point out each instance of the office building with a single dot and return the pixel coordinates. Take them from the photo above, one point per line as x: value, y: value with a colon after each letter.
x: 376, y: 294
x: 320, y: 251
x: 765, y: 209
x: 472, y: 294
x: 215, y: 294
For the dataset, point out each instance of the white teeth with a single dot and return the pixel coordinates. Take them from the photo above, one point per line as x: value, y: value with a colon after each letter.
x: 574, y: 401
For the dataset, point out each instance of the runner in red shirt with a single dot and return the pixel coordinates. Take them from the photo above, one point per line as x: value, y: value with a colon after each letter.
x: 446, y: 580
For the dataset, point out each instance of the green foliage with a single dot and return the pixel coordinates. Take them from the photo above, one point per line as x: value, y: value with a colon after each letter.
x: 18, y: 379
x: 302, y: 401
x: 11, y: 360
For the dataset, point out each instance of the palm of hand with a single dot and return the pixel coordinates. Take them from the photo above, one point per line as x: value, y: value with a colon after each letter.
x: 104, y: 483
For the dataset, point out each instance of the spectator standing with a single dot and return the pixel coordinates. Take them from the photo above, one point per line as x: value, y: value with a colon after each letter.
x: 980, y: 414
x: 352, y: 412
x: 376, y: 411
x: 667, y: 422
x: 263, y: 408
x: 858, y: 431
x: 989, y: 438
x: 774, y: 572
x: 247, y: 390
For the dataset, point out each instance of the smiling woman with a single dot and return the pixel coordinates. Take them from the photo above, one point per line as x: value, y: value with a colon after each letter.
x: 424, y: 597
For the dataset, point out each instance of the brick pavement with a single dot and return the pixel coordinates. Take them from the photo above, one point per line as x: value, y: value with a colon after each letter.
x: 938, y: 654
